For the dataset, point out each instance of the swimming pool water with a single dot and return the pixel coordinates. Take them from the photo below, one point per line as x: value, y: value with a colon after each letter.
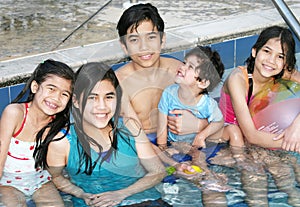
x: 190, y: 196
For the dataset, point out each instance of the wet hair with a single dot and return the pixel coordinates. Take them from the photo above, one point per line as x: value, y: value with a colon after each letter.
x: 287, y: 45
x: 61, y: 119
x: 136, y: 14
x: 87, y: 77
x: 210, y: 65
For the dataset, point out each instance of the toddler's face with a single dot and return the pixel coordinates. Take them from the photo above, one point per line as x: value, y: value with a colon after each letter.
x: 187, y: 74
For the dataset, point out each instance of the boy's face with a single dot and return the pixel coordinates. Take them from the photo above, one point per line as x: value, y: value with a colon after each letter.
x: 143, y: 44
x: 187, y: 73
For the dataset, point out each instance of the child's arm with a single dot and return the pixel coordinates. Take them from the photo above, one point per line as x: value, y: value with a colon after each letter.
x: 180, y: 123
x: 211, y: 129
x: 291, y: 136
x: 155, y: 172
x: 12, y: 114
x: 215, y: 118
x: 237, y: 89
x: 57, y: 157
x: 162, y: 131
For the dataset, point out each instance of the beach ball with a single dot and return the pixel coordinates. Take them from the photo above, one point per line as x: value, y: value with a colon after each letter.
x: 275, y: 107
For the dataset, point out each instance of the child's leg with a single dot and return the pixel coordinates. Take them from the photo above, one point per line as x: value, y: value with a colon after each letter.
x: 199, y: 159
x: 48, y: 195
x: 11, y: 197
x: 255, y: 182
x: 234, y: 134
x: 238, y: 148
x: 214, y: 199
x: 210, y: 198
x: 296, y: 165
x: 255, y: 186
x: 284, y: 177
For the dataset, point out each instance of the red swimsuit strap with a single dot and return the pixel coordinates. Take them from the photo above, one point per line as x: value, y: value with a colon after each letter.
x: 24, y: 120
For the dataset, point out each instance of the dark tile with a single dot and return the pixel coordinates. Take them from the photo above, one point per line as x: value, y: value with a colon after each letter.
x: 177, y: 55
x: 226, y: 51
x: 15, y: 90
x: 243, y: 48
x: 4, y: 94
x: 118, y: 65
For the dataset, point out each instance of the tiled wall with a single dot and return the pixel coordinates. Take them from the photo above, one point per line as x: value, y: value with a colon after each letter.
x: 233, y: 53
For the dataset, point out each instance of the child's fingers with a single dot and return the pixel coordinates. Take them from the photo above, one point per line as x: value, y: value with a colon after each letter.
x: 278, y: 137
x: 176, y: 112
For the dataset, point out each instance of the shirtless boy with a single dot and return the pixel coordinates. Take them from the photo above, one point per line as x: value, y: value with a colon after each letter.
x: 141, y: 32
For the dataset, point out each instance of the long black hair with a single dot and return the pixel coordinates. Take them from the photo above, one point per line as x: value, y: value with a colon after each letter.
x: 61, y: 119
x: 287, y: 45
x: 87, y: 77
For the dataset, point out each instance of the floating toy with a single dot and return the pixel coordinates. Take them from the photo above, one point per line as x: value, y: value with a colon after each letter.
x: 170, y: 170
x: 196, y: 168
x: 276, y: 106
x: 170, y: 178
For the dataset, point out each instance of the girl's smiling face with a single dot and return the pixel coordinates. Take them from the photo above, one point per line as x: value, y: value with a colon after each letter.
x: 100, y: 106
x: 52, y: 95
x: 270, y: 59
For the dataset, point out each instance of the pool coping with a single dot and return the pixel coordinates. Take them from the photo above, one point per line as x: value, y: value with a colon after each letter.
x: 13, y: 71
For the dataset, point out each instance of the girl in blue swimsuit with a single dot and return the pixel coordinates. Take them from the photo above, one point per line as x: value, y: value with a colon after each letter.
x: 106, y: 164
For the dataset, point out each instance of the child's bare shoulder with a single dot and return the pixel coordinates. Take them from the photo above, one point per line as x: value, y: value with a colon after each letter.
x: 14, y: 110
x: 124, y: 71
x: 237, y: 73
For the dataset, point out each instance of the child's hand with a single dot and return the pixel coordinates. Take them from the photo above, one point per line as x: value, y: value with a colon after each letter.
x: 180, y: 167
x: 107, y: 199
x: 199, y: 141
x: 162, y: 147
x: 291, y: 138
x: 86, y: 197
x: 179, y: 122
x: 188, y: 171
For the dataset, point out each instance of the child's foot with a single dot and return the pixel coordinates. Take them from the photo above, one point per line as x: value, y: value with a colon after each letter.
x: 214, y: 182
x: 223, y: 158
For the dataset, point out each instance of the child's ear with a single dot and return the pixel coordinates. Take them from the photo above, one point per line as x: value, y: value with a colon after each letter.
x: 75, y: 101
x: 163, y: 40
x: 34, y: 87
x: 124, y: 48
x: 253, y: 52
x: 203, y: 84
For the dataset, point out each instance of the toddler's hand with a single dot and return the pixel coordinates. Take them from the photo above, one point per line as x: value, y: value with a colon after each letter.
x: 199, y: 142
